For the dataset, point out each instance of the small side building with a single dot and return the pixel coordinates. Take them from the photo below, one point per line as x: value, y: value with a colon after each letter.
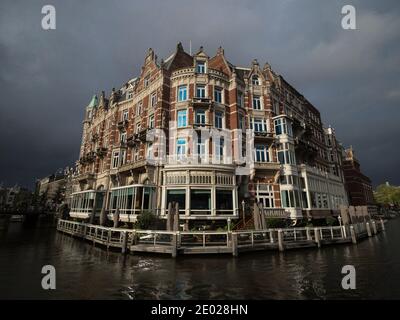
x: 358, y: 185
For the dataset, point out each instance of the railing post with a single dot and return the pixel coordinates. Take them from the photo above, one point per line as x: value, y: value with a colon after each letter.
x: 234, y: 244
x: 280, y: 240
x: 252, y: 239
x: 368, y: 229
x: 353, y: 235
x: 383, y: 224
x: 294, y: 234
x: 374, y: 227
x: 204, y: 239
x: 317, y: 234
x: 174, y: 245
x: 124, y: 242
x: 271, y: 236
x: 155, y: 239
x: 108, y: 238
x: 308, y: 233
x: 332, y: 233
x: 344, y: 235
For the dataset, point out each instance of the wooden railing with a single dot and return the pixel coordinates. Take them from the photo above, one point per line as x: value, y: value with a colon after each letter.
x: 214, y: 241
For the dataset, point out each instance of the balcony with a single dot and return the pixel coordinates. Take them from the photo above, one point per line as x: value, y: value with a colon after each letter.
x: 122, y: 124
x: 266, y: 165
x: 132, y: 141
x: 101, y: 152
x: 263, y: 135
x: 95, y: 137
x: 141, y: 136
x: 91, y: 156
x: 85, y: 177
x: 133, y: 165
x: 201, y: 101
x: 279, y: 213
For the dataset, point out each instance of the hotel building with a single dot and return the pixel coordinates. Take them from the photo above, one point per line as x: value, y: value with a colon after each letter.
x: 211, y: 136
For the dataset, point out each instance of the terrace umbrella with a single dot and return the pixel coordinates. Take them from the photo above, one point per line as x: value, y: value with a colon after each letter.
x: 116, y: 218
x: 169, y: 217
x: 176, y: 217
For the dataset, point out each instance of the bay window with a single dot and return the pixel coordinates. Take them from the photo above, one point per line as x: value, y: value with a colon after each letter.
x: 261, y: 153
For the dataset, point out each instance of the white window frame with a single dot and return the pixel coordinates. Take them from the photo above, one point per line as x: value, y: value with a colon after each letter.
x: 181, y: 148
x: 219, y: 118
x: 257, y: 105
x: 125, y: 115
x: 182, y: 115
x: 218, y: 92
x: 153, y: 99
x: 255, y: 80
x: 202, y: 88
x: 182, y: 93
x: 264, y: 153
x: 151, y: 121
x: 199, y: 69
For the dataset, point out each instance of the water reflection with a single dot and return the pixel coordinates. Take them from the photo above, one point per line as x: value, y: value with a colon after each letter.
x: 87, y: 272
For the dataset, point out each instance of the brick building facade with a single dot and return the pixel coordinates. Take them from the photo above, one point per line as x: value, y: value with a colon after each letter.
x: 211, y: 136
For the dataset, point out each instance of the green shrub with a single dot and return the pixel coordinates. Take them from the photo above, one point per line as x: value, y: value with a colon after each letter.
x: 145, y: 220
x: 276, y: 223
x: 330, y: 221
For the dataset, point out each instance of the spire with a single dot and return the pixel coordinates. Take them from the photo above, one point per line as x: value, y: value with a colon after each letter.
x: 93, y: 102
x: 179, y: 47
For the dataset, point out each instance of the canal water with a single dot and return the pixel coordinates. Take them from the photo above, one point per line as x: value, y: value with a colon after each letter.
x: 87, y: 272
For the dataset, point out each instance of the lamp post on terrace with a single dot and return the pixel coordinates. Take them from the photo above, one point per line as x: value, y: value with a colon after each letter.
x: 243, y: 212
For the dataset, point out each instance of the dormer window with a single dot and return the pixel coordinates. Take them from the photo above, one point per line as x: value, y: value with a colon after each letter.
x: 255, y: 80
x: 125, y: 115
x: 146, y: 81
x: 201, y: 67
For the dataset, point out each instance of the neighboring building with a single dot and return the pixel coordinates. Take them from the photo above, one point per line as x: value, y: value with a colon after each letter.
x: 206, y: 134
x: 358, y: 185
x: 51, y: 189
x: 15, y: 199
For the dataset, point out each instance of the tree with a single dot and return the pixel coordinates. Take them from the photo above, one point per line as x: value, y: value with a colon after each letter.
x: 388, y: 195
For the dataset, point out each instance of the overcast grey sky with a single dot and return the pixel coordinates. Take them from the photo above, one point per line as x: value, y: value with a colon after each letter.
x: 48, y: 77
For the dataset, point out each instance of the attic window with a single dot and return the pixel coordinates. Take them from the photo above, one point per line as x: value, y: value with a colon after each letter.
x: 255, y: 80
x: 146, y: 81
x: 201, y: 67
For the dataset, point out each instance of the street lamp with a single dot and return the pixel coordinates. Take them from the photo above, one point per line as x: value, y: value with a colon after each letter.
x: 243, y: 208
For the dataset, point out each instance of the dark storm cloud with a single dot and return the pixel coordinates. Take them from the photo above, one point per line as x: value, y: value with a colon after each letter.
x: 47, y: 77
